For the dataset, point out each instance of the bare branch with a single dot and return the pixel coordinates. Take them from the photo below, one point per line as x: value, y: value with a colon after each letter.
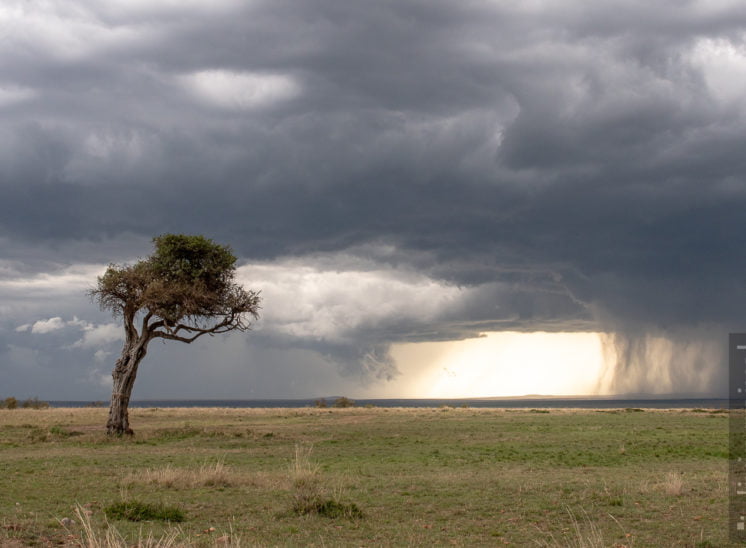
x: 172, y: 337
x: 228, y: 324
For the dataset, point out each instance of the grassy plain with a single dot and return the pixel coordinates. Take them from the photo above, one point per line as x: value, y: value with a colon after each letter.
x: 420, y: 477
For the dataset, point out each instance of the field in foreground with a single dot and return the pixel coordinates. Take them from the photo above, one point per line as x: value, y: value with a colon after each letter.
x: 301, y: 477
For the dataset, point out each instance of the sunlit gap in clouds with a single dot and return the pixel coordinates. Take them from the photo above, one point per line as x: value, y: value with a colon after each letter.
x: 504, y: 364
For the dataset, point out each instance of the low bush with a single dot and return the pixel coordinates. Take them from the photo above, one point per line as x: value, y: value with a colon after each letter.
x: 343, y: 402
x: 143, y: 511
x: 329, y: 508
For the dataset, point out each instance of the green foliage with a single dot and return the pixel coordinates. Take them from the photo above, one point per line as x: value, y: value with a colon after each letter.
x: 343, y: 402
x: 143, y: 511
x: 57, y: 430
x: 192, y: 259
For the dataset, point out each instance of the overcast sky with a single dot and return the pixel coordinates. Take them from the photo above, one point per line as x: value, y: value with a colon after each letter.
x: 386, y: 172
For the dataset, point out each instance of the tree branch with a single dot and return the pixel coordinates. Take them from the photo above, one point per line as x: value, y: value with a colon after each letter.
x: 145, y: 320
x: 172, y: 337
x: 225, y: 326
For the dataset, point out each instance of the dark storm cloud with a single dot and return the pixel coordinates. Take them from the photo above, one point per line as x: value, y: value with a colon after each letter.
x: 573, y: 167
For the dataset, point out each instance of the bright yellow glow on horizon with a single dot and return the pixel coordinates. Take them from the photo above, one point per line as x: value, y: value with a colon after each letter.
x: 503, y: 364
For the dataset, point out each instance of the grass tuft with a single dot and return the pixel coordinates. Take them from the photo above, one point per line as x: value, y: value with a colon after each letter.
x: 112, y: 538
x: 143, y: 511
x: 310, y: 496
x: 215, y: 474
x: 585, y: 534
x: 674, y: 484
x: 331, y: 508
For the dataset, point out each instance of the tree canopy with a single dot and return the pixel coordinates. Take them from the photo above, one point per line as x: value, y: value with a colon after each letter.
x: 186, y: 285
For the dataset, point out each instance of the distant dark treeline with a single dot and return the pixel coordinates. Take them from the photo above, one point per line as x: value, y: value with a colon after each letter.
x: 31, y: 403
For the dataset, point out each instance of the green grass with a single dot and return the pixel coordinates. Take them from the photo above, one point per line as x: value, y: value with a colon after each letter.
x: 484, y: 477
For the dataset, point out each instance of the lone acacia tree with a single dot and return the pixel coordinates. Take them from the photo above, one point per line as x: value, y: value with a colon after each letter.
x: 184, y: 290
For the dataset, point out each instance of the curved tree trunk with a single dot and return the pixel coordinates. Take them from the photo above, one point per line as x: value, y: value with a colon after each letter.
x: 124, y: 375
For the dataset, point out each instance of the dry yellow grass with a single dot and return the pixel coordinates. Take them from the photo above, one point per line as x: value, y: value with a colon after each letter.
x: 215, y: 474
x: 674, y: 483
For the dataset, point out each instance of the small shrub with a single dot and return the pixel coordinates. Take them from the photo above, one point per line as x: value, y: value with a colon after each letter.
x: 143, y: 511
x: 58, y: 430
x: 331, y: 508
x: 10, y: 403
x: 344, y: 402
x: 321, y: 403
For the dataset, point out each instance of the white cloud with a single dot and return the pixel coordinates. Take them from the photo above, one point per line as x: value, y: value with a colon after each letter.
x: 240, y: 90
x: 47, y: 326
x: 71, y: 279
x: 99, y: 378
x: 724, y: 67
x: 62, y: 30
x: 101, y: 355
x: 98, y: 335
x: 10, y: 95
x: 308, y: 301
x: 171, y: 8
x: 79, y: 323
x: 94, y: 336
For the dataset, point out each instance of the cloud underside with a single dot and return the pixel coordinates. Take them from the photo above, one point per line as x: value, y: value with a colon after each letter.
x: 412, y: 172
